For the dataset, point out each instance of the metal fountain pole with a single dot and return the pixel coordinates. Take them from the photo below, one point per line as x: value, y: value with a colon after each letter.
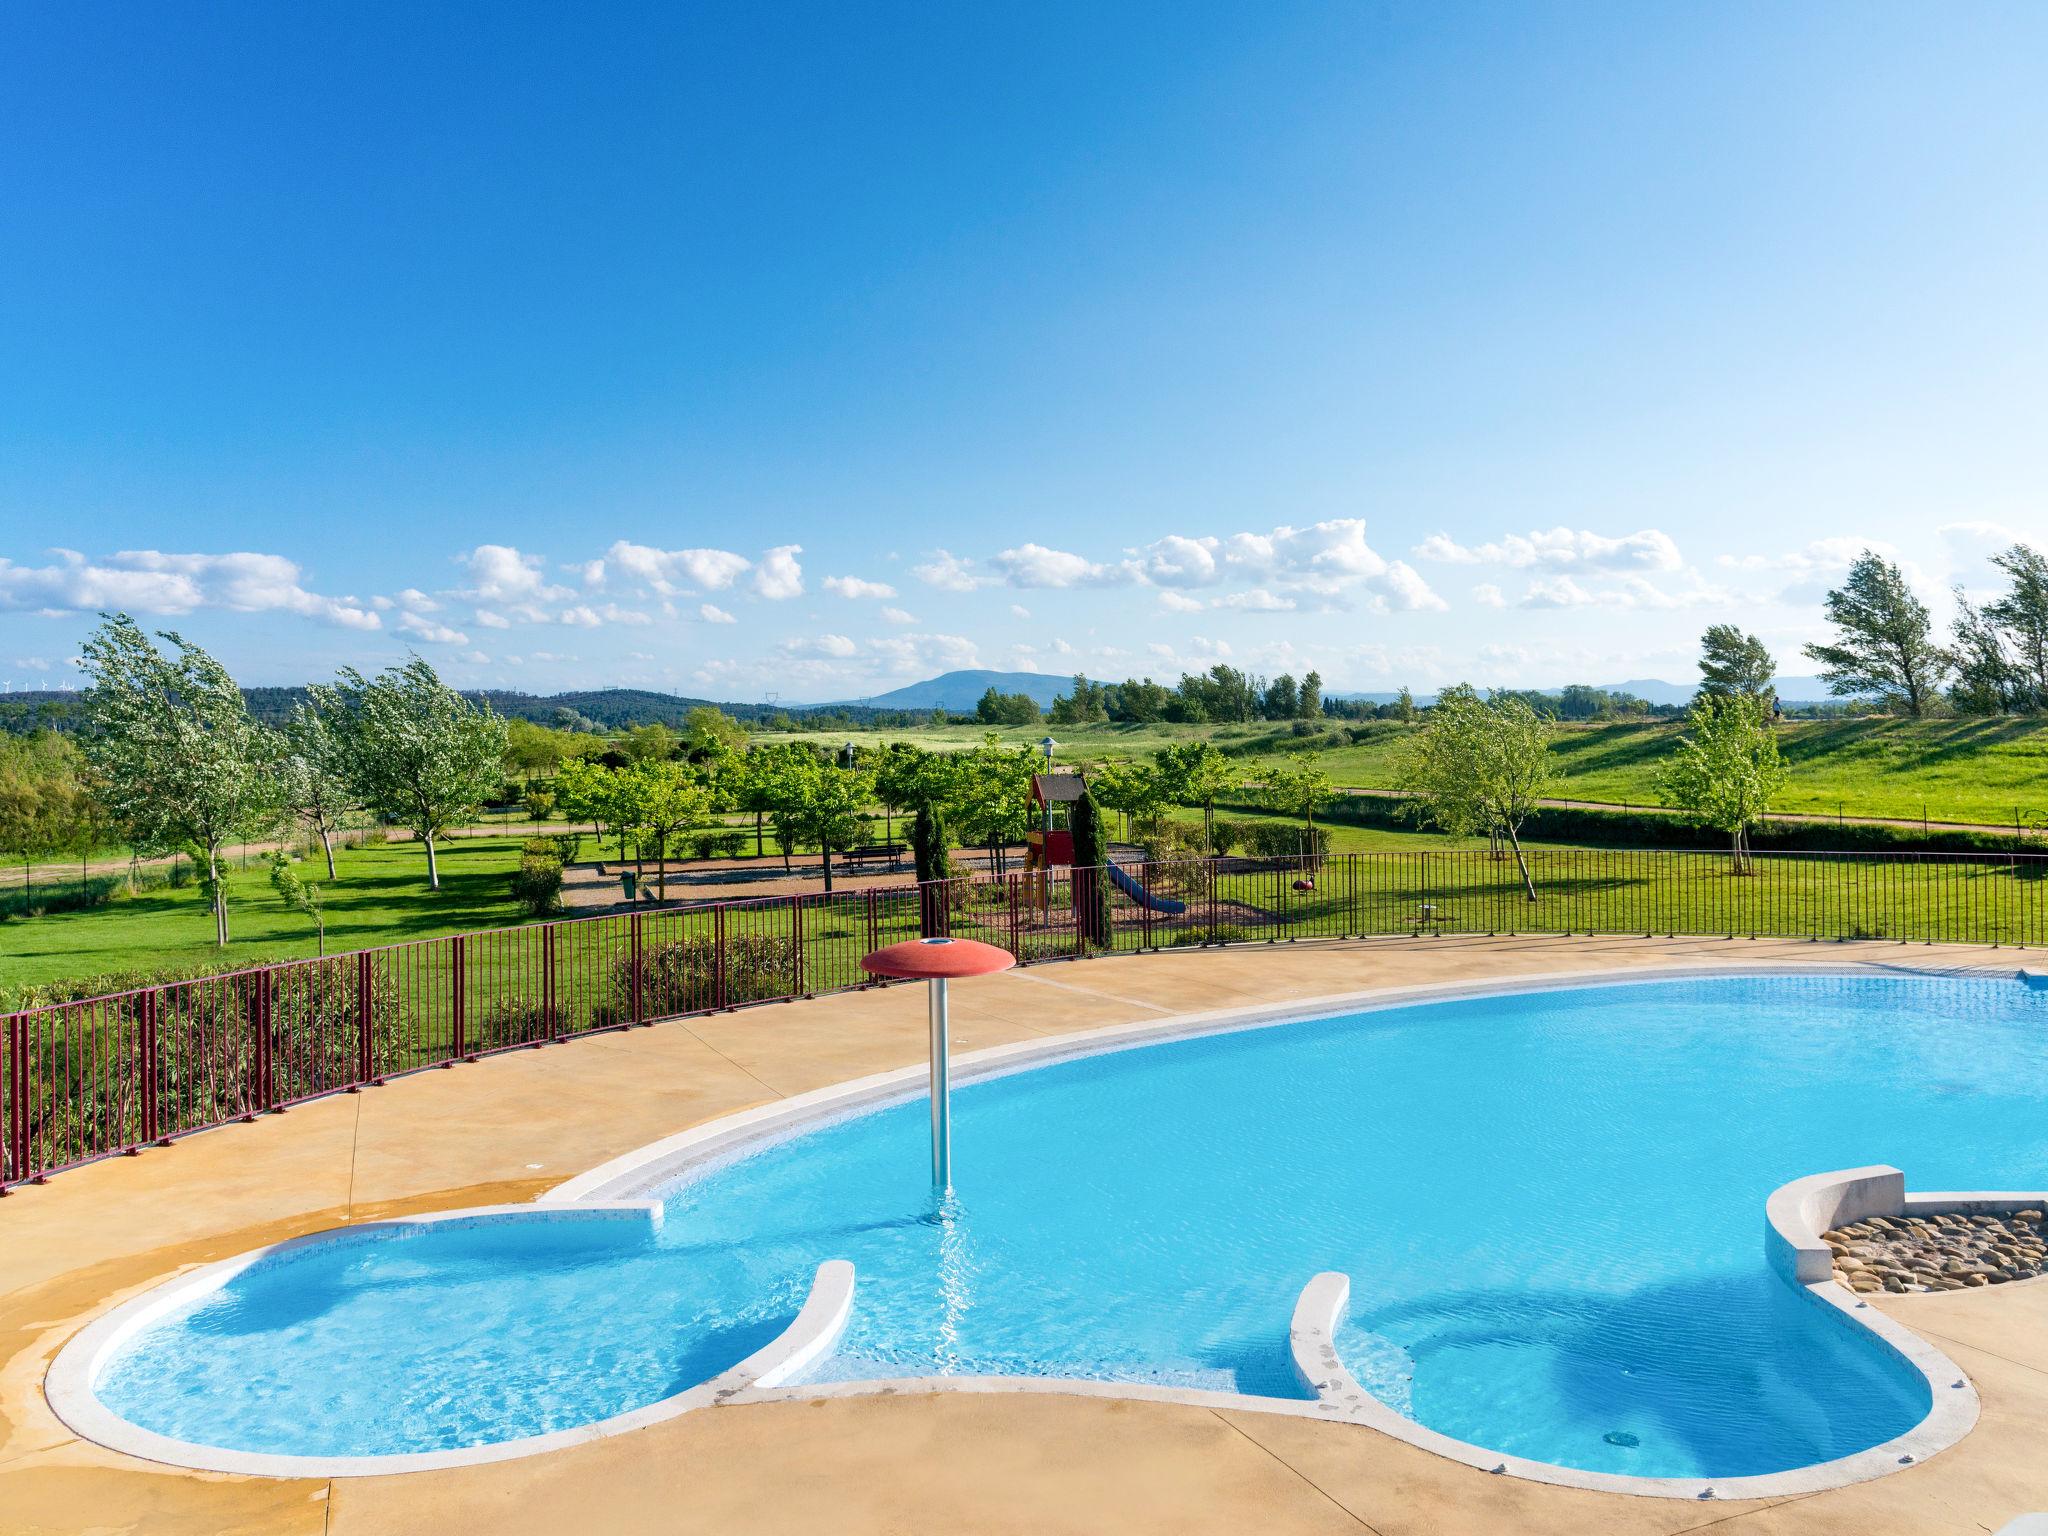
x: 942, y: 1089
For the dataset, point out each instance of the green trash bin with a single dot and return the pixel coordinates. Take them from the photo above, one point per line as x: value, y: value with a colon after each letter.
x: 629, y: 883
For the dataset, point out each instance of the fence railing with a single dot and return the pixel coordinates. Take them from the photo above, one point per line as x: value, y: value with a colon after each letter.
x: 106, y: 1075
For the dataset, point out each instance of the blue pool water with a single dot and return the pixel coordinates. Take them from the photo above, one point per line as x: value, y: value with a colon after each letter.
x: 1551, y: 1208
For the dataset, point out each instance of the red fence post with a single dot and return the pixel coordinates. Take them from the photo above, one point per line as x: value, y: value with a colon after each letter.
x: 718, y: 956
x: 458, y: 1004
x: 633, y: 961
x: 874, y: 923
x: 252, y: 1011
x: 547, y: 983
x: 796, y: 922
x: 149, y: 1065
x: 366, y: 1021
x: 17, y: 1102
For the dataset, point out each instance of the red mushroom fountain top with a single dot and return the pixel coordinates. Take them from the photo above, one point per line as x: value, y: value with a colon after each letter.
x: 938, y: 960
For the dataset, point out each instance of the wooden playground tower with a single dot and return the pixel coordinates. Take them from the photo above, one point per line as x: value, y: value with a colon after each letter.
x: 1049, y: 843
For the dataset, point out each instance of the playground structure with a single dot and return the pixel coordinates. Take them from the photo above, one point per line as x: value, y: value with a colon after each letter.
x: 1049, y: 844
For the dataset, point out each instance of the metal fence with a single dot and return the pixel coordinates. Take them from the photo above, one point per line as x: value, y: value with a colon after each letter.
x: 108, y: 1075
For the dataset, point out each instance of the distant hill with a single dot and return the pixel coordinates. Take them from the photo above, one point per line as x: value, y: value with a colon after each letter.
x: 963, y: 690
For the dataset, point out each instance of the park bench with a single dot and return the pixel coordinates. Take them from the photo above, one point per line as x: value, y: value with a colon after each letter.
x: 877, y: 853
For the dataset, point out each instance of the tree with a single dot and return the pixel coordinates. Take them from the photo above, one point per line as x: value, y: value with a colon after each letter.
x: 707, y: 730
x: 1732, y: 663
x: 1988, y: 680
x: 660, y: 800
x: 1882, y: 642
x: 1134, y: 789
x: 315, y: 775
x: 991, y: 797
x: 650, y: 743
x: 2023, y: 614
x: 1479, y: 765
x: 306, y: 900
x: 174, y: 755
x: 1726, y: 768
x: 532, y: 749
x: 1309, y: 705
x: 1091, y: 854
x: 1404, y: 706
x: 1006, y: 708
x: 1194, y: 774
x: 1300, y: 788
x: 418, y: 752
x: 827, y: 808
x: 1282, y: 700
x: 932, y: 848
x: 43, y: 800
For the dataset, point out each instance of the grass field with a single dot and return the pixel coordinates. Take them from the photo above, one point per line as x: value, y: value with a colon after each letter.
x: 1948, y: 770
x: 380, y: 898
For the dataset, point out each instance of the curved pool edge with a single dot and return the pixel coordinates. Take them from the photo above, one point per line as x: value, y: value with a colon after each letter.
x: 606, y: 1190
x: 70, y: 1384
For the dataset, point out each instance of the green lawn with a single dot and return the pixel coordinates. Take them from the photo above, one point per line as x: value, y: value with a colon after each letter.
x: 381, y: 897
x: 1950, y: 770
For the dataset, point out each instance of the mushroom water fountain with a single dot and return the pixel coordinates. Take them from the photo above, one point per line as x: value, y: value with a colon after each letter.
x: 936, y: 962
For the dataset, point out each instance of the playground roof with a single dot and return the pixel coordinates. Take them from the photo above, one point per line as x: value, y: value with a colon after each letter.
x: 1062, y: 784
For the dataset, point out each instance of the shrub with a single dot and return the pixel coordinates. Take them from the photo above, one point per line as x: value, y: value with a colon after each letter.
x: 86, y: 1081
x: 514, y: 1021
x: 1284, y: 840
x: 731, y: 844
x: 681, y: 976
x: 537, y: 883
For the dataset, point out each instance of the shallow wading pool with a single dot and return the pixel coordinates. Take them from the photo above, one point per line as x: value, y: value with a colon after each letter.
x: 1550, y: 1205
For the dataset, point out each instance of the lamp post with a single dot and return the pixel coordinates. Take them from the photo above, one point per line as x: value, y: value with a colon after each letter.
x: 936, y: 962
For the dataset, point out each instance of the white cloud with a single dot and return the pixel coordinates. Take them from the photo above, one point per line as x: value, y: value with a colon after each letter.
x: 902, y: 654
x: 1648, y: 549
x: 821, y: 645
x: 855, y: 587
x: 779, y: 576
x: 1622, y: 592
x: 1175, y: 602
x: 1034, y: 565
x: 669, y: 571
x: 1821, y: 557
x: 897, y: 616
x: 711, y: 613
x: 1019, y: 611
x: 1178, y: 561
x: 1487, y: 595
x: 152, y: 581
x: 498, y: 573
x: 1257, y: 600
x: 491, y: 620
x: 947, y: 571
x: 428, y: 630
x: 1402, y: 586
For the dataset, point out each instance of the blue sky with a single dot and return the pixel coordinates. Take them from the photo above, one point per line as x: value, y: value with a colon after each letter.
x: 809, y: 350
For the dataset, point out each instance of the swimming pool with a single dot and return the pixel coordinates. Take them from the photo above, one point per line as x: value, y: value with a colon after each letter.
x: 1549, y: 1204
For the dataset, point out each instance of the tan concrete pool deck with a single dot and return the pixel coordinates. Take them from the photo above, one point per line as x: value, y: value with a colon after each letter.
x: 512, y: 1126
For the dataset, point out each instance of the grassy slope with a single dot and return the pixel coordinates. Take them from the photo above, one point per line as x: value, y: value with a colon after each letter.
x: 381, y: 898
x: 1954, y: 770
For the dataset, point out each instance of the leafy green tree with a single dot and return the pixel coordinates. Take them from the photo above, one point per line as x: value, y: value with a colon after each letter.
x: 1883, y: 638
x: 1194, y: 774
x: 533, y: 750
x: 1479, y: 765
x: 1726, y: 768
x: 1404, y: 706
x: 1732, y: 663
x: 1988, y: 681
x: 314, y: 775
x: 2022, y: 612
x: 822, y: 803
x: 306, y: 900
x: 661, y: 800
x: 991, y: 798
x: 418, y: 753
x: 1136, y: 790
x: 1282, y: 700
x: 1300, y: 788
x: 44, y: 802
x: 1006, y: 708
x: 708, y: 730
x: 650, y: 743
x: 174, y: 755
x: 1309, y: 703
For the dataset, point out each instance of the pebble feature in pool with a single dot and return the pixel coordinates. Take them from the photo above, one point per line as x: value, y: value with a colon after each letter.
x: 1549, y: 1206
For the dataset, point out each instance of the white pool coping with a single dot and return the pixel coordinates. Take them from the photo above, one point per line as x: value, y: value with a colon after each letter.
x: 770, y: 1375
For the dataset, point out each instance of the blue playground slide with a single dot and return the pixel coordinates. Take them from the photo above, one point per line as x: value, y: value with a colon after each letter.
x: 1144, y: 898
